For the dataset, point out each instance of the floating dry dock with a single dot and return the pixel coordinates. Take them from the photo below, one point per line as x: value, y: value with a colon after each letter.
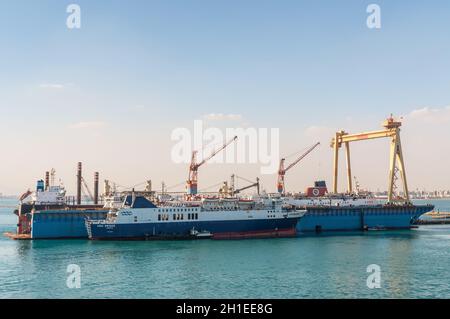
x: 42, y: 222
x: 335, y: 218
x: 50, y: 214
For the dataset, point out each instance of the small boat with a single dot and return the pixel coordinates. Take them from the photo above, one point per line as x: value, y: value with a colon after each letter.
x: 202, y: 234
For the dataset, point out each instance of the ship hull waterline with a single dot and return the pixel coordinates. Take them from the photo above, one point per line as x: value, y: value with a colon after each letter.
x: 219, y: 230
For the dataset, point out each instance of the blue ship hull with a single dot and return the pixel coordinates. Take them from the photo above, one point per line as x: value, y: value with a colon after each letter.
x: 219, y: 229
x: 333, y: 218
x: 52, y: 224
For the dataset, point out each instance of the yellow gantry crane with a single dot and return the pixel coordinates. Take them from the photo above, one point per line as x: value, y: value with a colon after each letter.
x: 397, y: 165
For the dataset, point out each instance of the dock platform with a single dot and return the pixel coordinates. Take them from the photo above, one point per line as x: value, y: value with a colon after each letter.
x: 16, y: 236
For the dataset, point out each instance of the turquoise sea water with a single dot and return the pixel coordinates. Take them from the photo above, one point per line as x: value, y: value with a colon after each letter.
x: 414, y: 264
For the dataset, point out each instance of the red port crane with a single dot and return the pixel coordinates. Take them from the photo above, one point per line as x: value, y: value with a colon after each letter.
x: 282, y: 171
x: 192, y: 182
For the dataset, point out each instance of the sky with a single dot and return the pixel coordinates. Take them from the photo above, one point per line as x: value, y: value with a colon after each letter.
x: 111, y: 93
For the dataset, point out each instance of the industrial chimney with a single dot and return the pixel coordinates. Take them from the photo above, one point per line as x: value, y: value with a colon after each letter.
x: 47, y: 180
x: 96, y: 188
x: 79, y: 183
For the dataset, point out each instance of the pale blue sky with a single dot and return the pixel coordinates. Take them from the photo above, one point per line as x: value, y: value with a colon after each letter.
x: 141, y: 68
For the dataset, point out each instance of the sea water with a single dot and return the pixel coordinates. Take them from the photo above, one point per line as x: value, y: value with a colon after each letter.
x: 412, y: 263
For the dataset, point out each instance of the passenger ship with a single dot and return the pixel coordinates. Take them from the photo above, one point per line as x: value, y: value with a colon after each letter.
x: 215, y: 218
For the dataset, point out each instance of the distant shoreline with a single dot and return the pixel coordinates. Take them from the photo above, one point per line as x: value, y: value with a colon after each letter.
x: 432, y: 198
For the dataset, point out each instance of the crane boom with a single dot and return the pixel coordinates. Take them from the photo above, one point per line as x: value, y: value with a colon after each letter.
x: 237, y: 191
x: 302, y: 157
x: 192, y: 183
x: 87, y: 189
x: 216, y: 152
x: 282, y: 171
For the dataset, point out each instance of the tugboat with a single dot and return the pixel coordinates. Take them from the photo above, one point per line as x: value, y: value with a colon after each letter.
x: 214, y: 218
